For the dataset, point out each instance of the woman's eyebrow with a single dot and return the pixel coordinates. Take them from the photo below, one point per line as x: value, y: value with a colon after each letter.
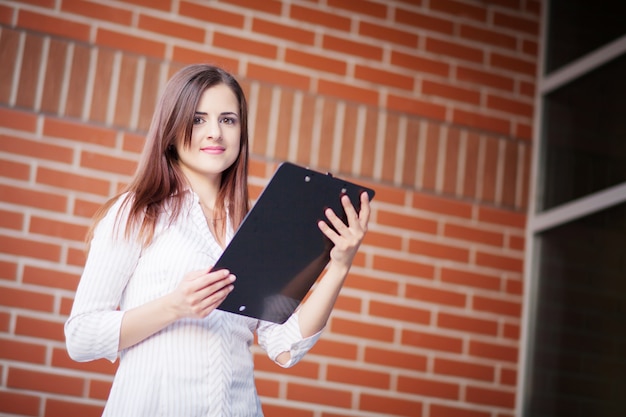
x: 200, y: 113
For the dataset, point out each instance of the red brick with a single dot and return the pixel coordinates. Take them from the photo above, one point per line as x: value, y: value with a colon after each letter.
x: 125, y: 42
x: 365, y: 7
x: 410, y: 61
x: 21, y: 351
x: 6, y: 15
x: 72, y: 181
x: 44, y: 382
x: 516, y: 107
x: 76, y: 257
x: 428, y: 387
x: 346, y: 303
x: 276, y: 76
x: 464, y: 369
x: 358, y: 376
x: 507, y: 263
x: 17, y: 403
x: 308, y: 369
x: 436, y: 295
x: 517, y: 23
x: 100, y: 389
x: 171, y: 29
x: 31, y: 198
x: 396, y: 358
x: 85, y: 208
x: 345, y: 46
x: 418, y: 107
x: 450, y: 92
x: 30, y: 248
x: 319, y: 17
x: 30, y: 69
x: 392, y: 195
x: 60, y: 359
x: 513, y: 64
x: 438, y: 250
x: 348, y: 92
x: 245, y: 45
x: 11, y: 220
x: 370, y: 284
x: 486, y: 36
x: 454, y: 50
x: 441, y: 206
x: 319, y: 395
x: 509, y: 308
x: 53, y: 25
x: 493, y: 351
x: 55, y: 228
x: 362, y: 329
x: 471, y: 279
x: 191, y: 56
x: 335, y: 349
x: 432, y: 341
x: 267, y: 6
x: 508, y: 376
x: 462, y: 10
x: 473, y: 234
x: 514, y: 286
x: 467, y: 324
x: 437, y: 410
x: 50, y: 278
x: 399, y: 312
x: 98, y: 11
x: 386, y: 33
x: 281, y: 31
x: 266, y: 387
x: 18, y: 120
x: 8, y: 270
x: 14, y: 170
x: 388, y: 405
x: 106, y: 163
x: 79, y: 132
x: 279, y: 410
x: 502, y: 217
x: 482, y: 121
x: 383, y: 77
x: 205, y: 13
x: 406, y: 222
x: 61, y: 408
x: 424, y: 21
x: 484, y: 78
x: 9, y: 45
x: 511, y: 331
x: 404, y: 267
x: 492, y: 397
x: 5, y: 321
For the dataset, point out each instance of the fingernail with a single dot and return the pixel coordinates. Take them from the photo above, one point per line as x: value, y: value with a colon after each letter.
x: 232, y: 278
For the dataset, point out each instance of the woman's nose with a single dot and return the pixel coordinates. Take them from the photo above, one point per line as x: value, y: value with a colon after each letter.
x: 214, y: 130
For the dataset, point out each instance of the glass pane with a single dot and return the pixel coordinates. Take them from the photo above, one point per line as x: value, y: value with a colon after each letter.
x: 584, y: 129
x: 578, y: 358
x: 578, y: 27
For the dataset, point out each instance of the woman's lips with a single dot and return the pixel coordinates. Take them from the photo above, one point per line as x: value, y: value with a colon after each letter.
x: 213, y: 149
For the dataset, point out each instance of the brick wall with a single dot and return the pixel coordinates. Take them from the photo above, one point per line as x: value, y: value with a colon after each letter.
x: 428, y: 101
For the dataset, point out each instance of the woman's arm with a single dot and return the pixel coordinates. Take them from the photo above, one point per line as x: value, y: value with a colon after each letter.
x: 196, y: 296
x: 314, y: 312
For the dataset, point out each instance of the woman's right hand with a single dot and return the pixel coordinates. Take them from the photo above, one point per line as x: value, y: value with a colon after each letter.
x: 200, y: 292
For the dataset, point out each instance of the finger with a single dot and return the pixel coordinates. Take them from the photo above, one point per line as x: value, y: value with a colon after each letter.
x: 339, y: 225
x: 364, y: 214
x: 349, y: 209
x: 328, y: 231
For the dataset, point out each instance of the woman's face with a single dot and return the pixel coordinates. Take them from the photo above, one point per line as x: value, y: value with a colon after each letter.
x: 216, y: 135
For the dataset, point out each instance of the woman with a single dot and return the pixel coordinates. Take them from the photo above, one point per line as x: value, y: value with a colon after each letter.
x: 150, y: 253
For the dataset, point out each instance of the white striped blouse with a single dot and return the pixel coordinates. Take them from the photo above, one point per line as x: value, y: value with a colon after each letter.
x: 190, y: 368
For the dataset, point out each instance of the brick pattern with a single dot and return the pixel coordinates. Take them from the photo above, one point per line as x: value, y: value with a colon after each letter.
x: 429, y: 102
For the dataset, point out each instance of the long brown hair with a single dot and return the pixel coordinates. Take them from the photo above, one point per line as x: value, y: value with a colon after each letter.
x: 159, y: 180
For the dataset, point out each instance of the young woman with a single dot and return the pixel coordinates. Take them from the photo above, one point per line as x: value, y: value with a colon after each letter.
x: 148, y: 292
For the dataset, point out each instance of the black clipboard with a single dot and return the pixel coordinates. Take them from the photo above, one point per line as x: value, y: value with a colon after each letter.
x: 278, y: 251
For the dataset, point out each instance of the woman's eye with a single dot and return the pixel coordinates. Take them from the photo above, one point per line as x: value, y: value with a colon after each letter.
x: 229, y: 120
x: 197, y: 120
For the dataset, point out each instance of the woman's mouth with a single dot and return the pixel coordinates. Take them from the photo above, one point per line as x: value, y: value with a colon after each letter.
x: 213, y: 150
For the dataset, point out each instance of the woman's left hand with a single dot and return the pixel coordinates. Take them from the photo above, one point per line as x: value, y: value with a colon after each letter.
x: 348, y: 237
